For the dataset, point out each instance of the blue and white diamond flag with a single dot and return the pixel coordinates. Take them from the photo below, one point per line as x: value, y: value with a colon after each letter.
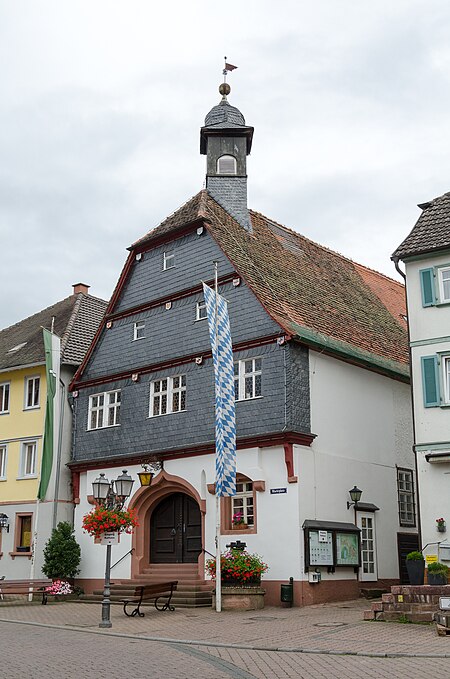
x: 220, y: 337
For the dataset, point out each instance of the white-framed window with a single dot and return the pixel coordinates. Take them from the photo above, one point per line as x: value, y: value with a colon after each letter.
x: 139, y: 330
x: 200, y: 311
x: 226, y: 165
x: 168, y: 260
x: 3, y: 456
x: 167, y: 395
x: 406, y: 503
x: 32, y: 391
x: 28, y: 456
x: 445, y: 391
x: 247, y: 379
x: 104, y: 410
x: 242, y: 504
x: 444, y: 283
x: 4, y: 397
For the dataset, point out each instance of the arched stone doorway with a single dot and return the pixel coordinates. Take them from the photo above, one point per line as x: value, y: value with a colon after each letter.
x: 167, y: 490
x: 176, y: 530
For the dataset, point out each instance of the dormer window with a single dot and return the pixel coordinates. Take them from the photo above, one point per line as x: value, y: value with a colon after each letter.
x: 226, y: 165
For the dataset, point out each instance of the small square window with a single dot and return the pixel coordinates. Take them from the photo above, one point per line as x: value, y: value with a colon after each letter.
x: 168, y: 396
x: 28, y: 459
x: 248, y: 379
x: 168, y: 261
x: 104, y: 410
x: 32, y: 389
x: 4, y: 397
x: 200, y: 311
x: 139, y: 330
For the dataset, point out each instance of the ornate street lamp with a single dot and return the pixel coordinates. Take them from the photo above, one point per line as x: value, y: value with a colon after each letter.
x: 4, y: 522
x: 149, y: 470
x: 111, y: 496
x: 355, y: 494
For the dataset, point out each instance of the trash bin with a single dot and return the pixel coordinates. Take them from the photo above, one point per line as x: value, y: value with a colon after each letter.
x: 287, y: 592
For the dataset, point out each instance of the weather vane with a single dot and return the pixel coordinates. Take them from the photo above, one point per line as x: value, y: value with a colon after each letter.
x: 228, y: 67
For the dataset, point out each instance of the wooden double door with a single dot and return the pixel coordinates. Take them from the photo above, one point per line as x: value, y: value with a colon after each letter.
x: 176, y: 530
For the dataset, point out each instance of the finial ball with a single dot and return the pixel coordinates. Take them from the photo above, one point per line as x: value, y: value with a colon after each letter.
x: 224, y: 89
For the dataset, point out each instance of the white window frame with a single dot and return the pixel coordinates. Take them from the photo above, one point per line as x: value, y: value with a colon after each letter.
x: 34, y: 404
x: 226, y: 156
x: 240, y: 379
x: 5, y: 388
x: 445, y: 361
x: 174, y: 386
x: 440, y: 271
x: 248, y: 502
x: 111, y: 404
x: 28, y: 448
x: 168, y: 260
x: 200, y: 311
x: 406, y: 497
x: 137, y: 328
x: 3, y: 461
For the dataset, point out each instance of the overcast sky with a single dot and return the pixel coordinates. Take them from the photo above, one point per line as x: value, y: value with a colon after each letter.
x: 101, y: 102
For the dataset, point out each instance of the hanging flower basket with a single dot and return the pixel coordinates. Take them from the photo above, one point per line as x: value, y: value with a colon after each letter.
x: 101, y: 520
x: 440, y: 525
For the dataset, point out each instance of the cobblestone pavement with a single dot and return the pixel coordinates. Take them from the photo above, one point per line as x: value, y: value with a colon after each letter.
x: 63, y: 640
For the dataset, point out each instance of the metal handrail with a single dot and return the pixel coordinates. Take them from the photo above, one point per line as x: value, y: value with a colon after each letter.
x: 122, y: 558
x: 206, y: 552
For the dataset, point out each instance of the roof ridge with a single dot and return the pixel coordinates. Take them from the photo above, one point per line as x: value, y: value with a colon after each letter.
x: 297, y: 234
x: 27, y: 318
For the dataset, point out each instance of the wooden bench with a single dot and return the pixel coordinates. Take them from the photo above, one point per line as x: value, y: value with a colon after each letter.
x: 25, y: 587
x: 148, y: 592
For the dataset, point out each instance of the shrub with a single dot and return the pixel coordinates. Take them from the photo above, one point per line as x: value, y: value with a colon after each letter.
x: 437, y: 567
x: 415, y: 556
x: 62, y: 553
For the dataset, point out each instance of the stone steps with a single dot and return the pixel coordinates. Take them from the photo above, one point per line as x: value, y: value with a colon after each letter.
x: 412, y: 603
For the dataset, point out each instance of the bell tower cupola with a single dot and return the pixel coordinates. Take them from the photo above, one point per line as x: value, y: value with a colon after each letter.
x: 226, y: 141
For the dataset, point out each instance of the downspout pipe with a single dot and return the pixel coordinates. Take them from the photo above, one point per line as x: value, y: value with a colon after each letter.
x: 403, y: 275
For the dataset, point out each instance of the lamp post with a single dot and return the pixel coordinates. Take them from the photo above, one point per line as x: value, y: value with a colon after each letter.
x: 110, y: 496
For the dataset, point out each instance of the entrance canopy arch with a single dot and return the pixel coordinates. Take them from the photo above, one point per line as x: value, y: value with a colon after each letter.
x: 144, y: 501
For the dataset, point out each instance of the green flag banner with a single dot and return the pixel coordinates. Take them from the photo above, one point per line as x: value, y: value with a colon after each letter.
x: 52, y: 346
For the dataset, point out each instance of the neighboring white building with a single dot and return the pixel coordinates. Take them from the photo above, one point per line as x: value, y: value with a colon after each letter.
x: 426, y: 254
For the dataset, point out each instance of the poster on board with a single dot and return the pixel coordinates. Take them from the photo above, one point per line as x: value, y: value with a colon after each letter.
x: 347, y: 549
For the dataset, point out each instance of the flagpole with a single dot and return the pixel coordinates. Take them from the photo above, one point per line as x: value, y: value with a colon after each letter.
x: 218, y: 559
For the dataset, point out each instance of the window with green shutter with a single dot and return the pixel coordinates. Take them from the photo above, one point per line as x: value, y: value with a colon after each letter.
x: 427, y: 287
x: 430, y: 381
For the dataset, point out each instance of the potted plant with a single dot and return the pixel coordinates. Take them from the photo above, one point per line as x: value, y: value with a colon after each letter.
x: 415, y: 565
x: 238, y: 567
x: 437, y: 573
x: 101, y: 520
x: 62, y: 554
x: 440, y: 525
x: 237, y: 521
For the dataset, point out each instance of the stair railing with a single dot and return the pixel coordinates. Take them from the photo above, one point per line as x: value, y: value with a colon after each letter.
x: 122, y: 558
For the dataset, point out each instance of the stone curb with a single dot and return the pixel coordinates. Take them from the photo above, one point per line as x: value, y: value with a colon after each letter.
x: 243, y: 647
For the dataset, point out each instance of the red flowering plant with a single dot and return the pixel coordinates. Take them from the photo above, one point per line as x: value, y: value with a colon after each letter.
x: 237, y: 519
x: 238, y: 567
x: 101, y: 520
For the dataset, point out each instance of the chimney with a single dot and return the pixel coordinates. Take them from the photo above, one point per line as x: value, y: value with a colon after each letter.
x: 80, y: 287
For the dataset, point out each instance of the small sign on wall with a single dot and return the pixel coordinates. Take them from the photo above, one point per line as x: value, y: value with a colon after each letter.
x: 110, y: 539
x: 431, y: 558
x: 278, y: 491
x: 323, y: 536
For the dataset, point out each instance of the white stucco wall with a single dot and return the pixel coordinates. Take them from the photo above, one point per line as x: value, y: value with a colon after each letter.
x: 363, y: 426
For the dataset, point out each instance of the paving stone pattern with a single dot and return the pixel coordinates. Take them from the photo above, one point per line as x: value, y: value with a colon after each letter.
x: 63, y: 640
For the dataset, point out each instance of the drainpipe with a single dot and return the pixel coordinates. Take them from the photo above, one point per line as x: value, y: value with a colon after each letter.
x: 403, y: 275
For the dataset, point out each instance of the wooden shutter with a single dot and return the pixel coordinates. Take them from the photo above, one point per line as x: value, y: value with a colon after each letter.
x: 430, y: 381
x: 427, y: 287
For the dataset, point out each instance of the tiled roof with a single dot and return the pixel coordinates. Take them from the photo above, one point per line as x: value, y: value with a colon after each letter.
x: 315, y: 294
x: 76, y: 320
x: 431, y: 231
